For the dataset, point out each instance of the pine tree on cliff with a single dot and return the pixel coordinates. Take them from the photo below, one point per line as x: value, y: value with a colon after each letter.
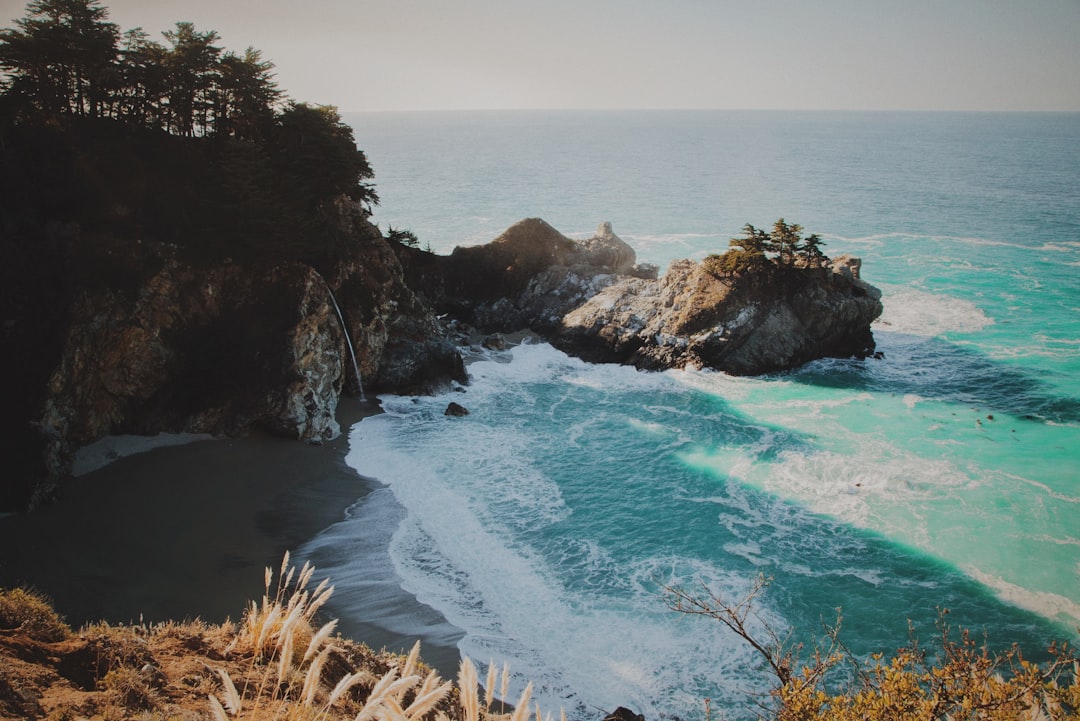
x: 65, y: 59
x: 60, y: 58
x: 744, y: 255
x: 784, y: 241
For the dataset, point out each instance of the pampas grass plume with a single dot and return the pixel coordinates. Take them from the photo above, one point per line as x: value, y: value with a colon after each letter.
x: 346, y: 683
x: 467, y: 682
x: 489, y: 687
x: 319, y: 639
x: 217, y: 710
x: 232, y: 698
x: 521, y: 711
x: 411, y: 660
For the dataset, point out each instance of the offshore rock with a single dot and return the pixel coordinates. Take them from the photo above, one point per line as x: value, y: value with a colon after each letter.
x: 528, y: 277
x: 591, y: 299
x: 771, y: 320
x: 456, y: 410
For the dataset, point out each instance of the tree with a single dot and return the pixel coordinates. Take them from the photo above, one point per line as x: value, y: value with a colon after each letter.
x: 142, y: 83
x: 759, y: 250
x: 958, y: 679
x: 246, y: 96
x: 192, y: 67
x: 811, y: 251
x: 60, y: 58
x: 744, y: 255
x: 405, y: 237
x: 784, y: 241
x: 318, y: 155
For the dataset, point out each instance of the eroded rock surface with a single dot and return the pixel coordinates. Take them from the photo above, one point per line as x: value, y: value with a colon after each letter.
x: 740, y: 324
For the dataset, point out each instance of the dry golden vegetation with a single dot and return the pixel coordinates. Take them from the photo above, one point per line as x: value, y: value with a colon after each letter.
x: 955, y: 679
x: 277, y: 663
x: 280, y: 662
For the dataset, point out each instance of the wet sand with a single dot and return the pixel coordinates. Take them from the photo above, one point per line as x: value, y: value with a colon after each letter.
x: 186, y: 531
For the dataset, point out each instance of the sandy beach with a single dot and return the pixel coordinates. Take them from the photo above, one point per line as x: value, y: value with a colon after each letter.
x: 186, y: 531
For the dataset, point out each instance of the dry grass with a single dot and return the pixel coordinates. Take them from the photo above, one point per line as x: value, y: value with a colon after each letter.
x: 279, y: 662
x: 294, y: 670
x: 31, y: 613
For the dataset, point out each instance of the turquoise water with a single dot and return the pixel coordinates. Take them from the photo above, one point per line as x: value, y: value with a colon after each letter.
x: 945, y: 475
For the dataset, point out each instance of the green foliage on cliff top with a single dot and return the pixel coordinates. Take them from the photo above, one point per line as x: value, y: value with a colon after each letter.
x: 110, y: 134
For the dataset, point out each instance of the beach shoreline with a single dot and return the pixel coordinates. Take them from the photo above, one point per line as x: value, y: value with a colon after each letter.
x: 185, y: 531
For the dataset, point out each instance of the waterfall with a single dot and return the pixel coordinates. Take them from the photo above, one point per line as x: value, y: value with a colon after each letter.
x: 348, y: 340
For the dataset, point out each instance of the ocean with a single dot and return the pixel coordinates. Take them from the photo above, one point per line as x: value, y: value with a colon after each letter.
x: 542, y: 527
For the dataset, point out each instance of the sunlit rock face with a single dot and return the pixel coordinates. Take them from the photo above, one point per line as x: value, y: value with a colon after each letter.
x: 745, y: 325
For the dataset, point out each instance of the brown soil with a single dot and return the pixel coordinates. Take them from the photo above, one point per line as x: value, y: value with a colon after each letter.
x: 164, y: 671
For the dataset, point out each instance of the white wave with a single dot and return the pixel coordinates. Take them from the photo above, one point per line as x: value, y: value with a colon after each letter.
x: 581, y: 649
x: 919, y: 313
x: 1050, y: 605
x: 863, y: 488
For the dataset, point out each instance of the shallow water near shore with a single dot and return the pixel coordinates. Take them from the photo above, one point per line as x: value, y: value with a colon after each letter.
x: 541, y: 526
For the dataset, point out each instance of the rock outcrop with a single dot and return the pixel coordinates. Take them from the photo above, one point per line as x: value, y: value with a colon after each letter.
x: 591, y: 299
x: 741, y: 324
x: 529, y: 276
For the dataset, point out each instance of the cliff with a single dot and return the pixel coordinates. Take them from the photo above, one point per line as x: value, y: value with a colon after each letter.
x: 219, y: 348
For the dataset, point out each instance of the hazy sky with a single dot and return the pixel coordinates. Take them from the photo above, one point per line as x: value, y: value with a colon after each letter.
x: 469, y: 54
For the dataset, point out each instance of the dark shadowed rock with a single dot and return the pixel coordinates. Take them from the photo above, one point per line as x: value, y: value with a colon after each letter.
x: 229, y: 347
x: 623, y: 714
x: 455, y: 409
x: 528, y: 277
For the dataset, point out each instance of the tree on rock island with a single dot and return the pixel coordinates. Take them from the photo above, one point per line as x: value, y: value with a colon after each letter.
x: 758, y: 250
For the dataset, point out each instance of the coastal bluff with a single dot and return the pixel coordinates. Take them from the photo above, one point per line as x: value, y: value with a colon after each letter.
x: 153, y: 343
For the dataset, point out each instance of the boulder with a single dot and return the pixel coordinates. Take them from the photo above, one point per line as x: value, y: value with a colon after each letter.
x: 455, y: 409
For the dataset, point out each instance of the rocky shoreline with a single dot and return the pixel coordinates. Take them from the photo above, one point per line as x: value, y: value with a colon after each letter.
x: 229, y: 347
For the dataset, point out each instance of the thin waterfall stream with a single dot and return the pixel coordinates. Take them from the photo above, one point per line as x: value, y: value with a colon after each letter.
x: 348, y: 341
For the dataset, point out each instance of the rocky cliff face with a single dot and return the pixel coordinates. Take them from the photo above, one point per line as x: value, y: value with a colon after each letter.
x: 746, y: 324
x: 229, y: 347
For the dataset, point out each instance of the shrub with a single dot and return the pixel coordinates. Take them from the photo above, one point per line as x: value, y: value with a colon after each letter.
x: 957, y: 679
x: 31, y: 613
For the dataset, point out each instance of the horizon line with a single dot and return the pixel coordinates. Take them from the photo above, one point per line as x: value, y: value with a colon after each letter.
x: 715, y: 109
